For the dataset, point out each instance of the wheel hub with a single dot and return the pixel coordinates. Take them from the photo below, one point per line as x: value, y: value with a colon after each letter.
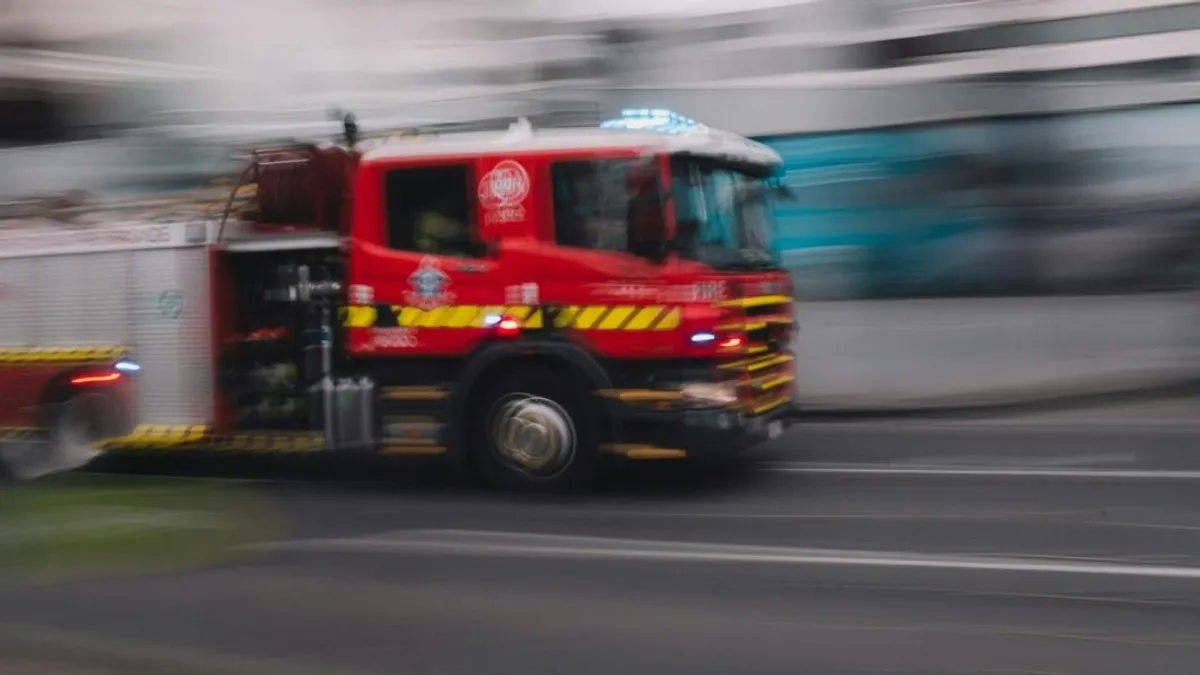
x: 535, y: 434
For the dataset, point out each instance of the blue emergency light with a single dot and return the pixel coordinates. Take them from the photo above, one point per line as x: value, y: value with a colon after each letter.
x: 648, y: 119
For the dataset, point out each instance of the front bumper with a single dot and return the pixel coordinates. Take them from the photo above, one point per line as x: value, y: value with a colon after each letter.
x: 699, y: 433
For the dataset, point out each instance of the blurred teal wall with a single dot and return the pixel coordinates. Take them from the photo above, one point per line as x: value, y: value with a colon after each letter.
x: 948, y: 209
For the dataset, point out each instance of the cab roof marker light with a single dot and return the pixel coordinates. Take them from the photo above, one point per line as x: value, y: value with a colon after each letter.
x: 703, y: 338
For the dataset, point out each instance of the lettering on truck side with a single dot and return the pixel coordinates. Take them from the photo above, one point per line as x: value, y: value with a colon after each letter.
x: 99, y: 237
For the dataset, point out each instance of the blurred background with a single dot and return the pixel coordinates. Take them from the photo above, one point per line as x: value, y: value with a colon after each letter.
x: 996, y: 248
x: 938, y: 148
x: 969, y: 149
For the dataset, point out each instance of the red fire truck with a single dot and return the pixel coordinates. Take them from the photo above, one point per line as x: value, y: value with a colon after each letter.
x: 521, y: 302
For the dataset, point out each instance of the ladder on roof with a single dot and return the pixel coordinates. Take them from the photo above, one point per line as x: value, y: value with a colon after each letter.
x: 86, y: 210
x: 583, y: 116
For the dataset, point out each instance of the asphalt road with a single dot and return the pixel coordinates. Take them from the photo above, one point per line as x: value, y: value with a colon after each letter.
x: 1063, y: 545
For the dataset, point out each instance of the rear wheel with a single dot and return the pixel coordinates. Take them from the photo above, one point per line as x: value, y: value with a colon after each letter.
x: 536, y: 433
x: 74, y: 430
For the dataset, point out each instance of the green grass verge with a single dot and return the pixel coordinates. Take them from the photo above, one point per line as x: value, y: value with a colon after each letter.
x: 83, y: 524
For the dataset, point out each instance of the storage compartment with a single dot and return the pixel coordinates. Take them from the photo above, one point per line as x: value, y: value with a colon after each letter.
x: 280, y: 337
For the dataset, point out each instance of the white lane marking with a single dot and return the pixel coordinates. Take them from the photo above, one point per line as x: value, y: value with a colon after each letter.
x: 993, y: 426
x: 1019, y: 461
x: 897, y: 514
x: 474, y: 543
x: 969, y: 471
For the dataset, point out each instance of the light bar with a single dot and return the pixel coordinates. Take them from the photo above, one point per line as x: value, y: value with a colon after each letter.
x: 653, y: 119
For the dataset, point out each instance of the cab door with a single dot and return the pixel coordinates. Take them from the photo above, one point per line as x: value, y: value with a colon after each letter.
x: 608, y: 262
x: 426, y: 284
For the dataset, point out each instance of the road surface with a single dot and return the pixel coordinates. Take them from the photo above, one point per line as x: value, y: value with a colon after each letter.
x: 1053, y: 544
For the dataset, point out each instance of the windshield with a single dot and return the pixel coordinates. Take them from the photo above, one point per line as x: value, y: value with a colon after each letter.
x: 723, y: 215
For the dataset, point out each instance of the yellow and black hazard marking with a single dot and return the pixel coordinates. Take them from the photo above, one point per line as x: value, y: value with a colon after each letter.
x: 162, y: 435
x: 60, y: 355
x: 757, y: 301
x: 758, y: 323
x: 414, y: 394
x: 768, y: 382
x: 577, y: 317
x: 766, y: 404
x: 411, y: 449
x: 197, y: 437
x: 14, y: 434
x: 756, y: 364
x: 619, y: 317
x: 641, y: 395
x: 643, y: 451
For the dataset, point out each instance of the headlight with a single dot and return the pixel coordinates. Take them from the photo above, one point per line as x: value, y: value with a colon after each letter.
x: 710, y: 393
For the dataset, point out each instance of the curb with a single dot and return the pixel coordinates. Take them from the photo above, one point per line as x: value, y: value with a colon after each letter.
x: 1046, y: 402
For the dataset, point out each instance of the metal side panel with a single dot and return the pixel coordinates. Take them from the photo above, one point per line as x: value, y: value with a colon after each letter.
x: 18, y: 305
x: 80, y: 299
x: 171, y: 326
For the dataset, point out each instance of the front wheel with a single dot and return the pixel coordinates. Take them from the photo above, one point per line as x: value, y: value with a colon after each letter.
x: 536, y: 433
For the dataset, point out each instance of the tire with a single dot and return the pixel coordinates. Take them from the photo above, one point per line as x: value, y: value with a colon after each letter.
x: 535, y: 432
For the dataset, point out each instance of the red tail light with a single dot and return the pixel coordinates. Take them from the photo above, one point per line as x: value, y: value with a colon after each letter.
x: 96, y: 378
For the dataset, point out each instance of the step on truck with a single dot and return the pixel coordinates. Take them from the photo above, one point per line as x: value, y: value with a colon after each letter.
x: 522, y: 303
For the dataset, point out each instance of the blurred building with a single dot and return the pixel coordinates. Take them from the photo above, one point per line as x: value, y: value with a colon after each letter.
x: 954, y: 147
x: 937, y: 147
x: 112, y: 95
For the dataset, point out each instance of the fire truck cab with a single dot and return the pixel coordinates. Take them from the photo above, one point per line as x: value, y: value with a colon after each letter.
x: 520, y: 302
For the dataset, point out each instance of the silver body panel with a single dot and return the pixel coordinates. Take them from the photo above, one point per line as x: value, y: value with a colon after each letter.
x: 145, y: 286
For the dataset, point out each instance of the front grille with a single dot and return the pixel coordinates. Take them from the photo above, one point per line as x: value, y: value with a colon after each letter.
x: 765, y: 366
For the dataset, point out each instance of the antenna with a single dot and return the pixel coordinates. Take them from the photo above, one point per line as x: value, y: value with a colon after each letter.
x: 350, y: 129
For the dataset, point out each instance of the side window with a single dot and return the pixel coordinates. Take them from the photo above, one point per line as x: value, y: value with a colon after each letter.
x: 429, y: 210
x: 608, y: 204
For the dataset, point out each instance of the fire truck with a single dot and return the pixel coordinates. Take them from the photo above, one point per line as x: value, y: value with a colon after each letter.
x: 521, y: 302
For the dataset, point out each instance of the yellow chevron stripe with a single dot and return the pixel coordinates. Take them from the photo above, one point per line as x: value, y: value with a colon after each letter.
x: 407, y: 317
x: 360, y: 316
x: 589, y: 316
x: 566, y: 316
x: 462, y: 316
x: 616, y: 318
x: 644, y: 317
x: 485, y: 313
x: 518, y: 312
x: 433, y: 318
x: 196, y: 437
x: 534, y: 321
x: 669, y: 321
x: 60, y: 354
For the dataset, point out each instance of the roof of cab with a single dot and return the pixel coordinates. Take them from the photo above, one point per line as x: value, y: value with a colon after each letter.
x: 523, y: 139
